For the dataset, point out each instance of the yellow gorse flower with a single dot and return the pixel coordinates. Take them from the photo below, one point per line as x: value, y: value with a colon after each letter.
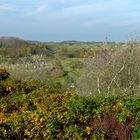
x: 88, y: 130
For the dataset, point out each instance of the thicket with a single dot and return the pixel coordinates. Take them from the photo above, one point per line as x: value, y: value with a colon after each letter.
x: 112, y: 72
x: 29, y: 110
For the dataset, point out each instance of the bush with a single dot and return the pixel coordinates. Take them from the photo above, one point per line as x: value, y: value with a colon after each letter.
x: 44, y: 115
x: 112, y: 72
x: 9, y: 85
x: 3, y: 74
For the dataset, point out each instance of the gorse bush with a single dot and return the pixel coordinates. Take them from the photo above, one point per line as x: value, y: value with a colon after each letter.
x: 43, y: 115
x: 112, y: 72
x: 10, y: 86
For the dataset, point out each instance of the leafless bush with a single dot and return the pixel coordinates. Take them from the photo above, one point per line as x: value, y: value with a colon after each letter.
x: 112, y: 73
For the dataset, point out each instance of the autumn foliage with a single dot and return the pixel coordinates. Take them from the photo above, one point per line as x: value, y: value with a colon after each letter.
x: 29, y: 110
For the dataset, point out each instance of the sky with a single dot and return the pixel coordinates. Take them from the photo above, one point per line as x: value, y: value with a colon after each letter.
x: 59, y: 20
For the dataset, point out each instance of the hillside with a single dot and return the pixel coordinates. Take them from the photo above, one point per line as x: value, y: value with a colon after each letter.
x: 12, y: 42
x: 69, y: 90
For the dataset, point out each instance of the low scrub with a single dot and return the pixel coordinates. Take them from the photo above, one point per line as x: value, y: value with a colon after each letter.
x: 43, y: 115
x: 112, y: 72
x: 32, y: 111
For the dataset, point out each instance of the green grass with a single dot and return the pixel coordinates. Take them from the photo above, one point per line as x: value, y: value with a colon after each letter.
x: 67, y: 62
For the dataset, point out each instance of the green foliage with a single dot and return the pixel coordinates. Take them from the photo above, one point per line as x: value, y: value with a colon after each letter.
x: 136, y: 134
x: 32, y: 111
x: 8, y: 86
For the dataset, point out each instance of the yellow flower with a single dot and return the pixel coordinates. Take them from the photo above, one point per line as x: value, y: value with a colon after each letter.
x: 10, y: 89
x: 27, y: 132
x: 88, y: 130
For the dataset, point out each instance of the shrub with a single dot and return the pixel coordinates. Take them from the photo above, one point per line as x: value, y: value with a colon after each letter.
x: 9, y: 85
x: 112, y: 72
x: 44, y: 115
x: 3, y: 74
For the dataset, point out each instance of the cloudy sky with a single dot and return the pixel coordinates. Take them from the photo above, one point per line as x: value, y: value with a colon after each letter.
x: 58, y: 20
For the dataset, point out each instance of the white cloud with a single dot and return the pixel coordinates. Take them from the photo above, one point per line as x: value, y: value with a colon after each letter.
x: 7, y: 8
x: 36, y: 11
x: 22, y: 10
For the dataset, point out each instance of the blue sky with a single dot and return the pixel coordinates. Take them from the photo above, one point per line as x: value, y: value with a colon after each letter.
x: 58, y: 20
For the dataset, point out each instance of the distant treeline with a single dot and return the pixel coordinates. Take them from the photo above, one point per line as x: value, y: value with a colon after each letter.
x: 15, y: 47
